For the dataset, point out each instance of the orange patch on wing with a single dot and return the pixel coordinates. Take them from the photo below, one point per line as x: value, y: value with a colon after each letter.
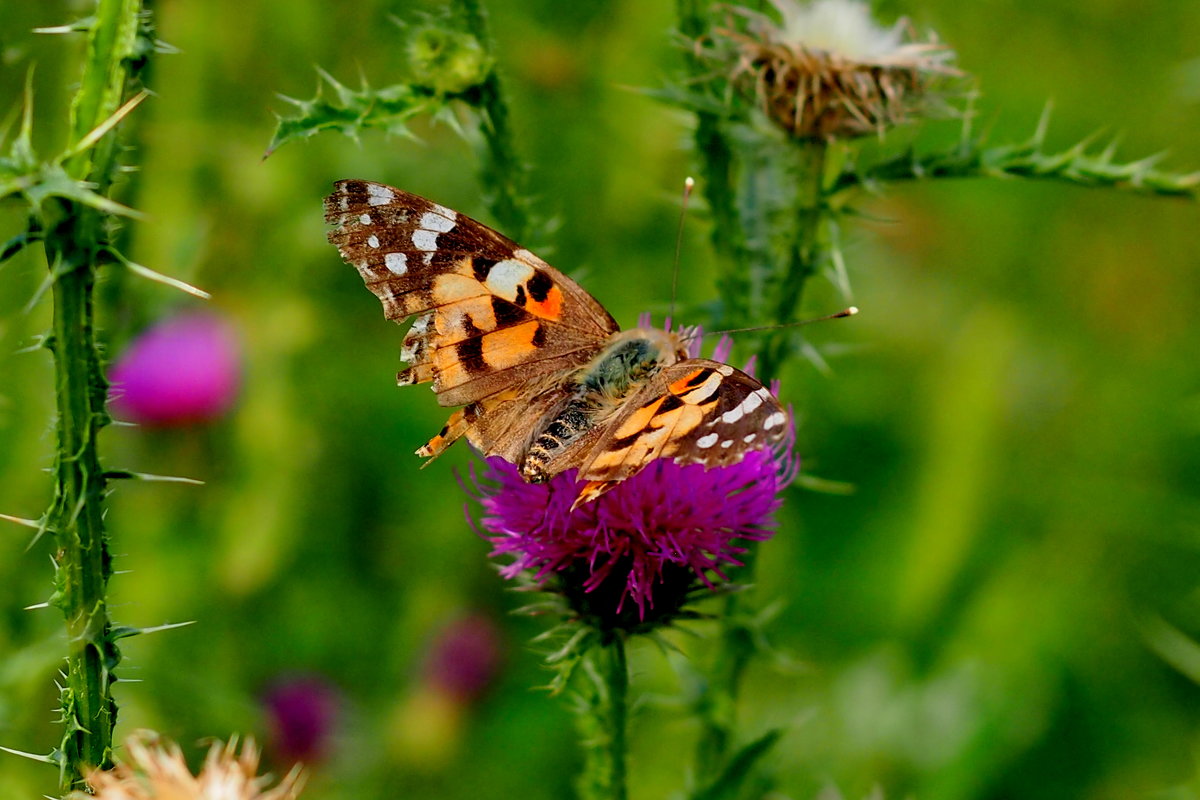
x: 707, y: 388
x: 638, y: 420
x: 590, y: 491
x: 450, y: 287
x: 550, y: 308
x: 450, y: 369
x: 504, y: 348
x: 455, y: 322
x: 455, y: 427
x: 680, y: 386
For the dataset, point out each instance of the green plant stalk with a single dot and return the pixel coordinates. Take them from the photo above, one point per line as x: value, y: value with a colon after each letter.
x: 75, y: 240
x: 502, y: 173
x: 604, y: 724
x: 804, y: 259
x: 717, y: 705
x: 717, y: 173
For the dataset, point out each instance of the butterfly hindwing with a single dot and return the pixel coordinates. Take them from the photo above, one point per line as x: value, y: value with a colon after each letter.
x: 696, y: 411
x: 490, y: 314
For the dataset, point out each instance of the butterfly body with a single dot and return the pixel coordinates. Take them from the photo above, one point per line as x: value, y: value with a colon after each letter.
x: 545, y: 377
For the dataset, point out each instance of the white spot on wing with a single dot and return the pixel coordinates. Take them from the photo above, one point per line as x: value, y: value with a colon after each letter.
x: 728, y: 443
x: 750, y: 438
x: 505, y: 276
x: 379, y: 195
x: 373, y: 241
x: 778, y: 418
x: 437, y: 221
x: 397, y: 263
x: 365, y: 219
x: 707, y: 441
x: 425, y: 240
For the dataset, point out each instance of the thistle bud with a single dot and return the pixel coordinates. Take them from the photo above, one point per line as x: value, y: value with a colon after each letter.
x: 445, y: 60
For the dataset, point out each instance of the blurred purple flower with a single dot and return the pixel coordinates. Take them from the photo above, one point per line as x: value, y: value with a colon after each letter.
x: 181, y: 371
x: 465, y: 657
x: 649, y: 540
x: 303, y: 714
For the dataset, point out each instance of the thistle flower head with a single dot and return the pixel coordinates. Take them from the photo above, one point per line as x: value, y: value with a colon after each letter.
x: 636, y: 554
x: 465, y: 658
x: 827, y: 70
x: 303, y: 713
x: 156, y: 770
x: 181, y: 371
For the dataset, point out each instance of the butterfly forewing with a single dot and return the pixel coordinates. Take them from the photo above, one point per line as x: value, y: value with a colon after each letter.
x: 490, y: 314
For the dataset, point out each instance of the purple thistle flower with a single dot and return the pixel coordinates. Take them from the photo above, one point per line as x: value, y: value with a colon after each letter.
x: 647, y: 542
x: 303, y: 713
x: 465, y: 657
x: 181, y: 371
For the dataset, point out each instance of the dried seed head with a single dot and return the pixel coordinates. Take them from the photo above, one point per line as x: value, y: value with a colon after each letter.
x: 826, y: 70
x: 155, y: 770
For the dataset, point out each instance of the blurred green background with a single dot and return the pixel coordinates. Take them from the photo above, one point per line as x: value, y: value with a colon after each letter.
x: 1005, y: 606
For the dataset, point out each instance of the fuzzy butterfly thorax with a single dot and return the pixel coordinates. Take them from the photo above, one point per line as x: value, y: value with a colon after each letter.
x: 545, y: 377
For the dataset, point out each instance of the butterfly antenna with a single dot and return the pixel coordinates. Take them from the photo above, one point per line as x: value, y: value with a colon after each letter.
x: 845, y: 312
x: 688, y: 185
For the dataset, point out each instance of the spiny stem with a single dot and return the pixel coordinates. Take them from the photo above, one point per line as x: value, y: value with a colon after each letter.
x: 502, y: 172
x: 717, y: 171
x: 76, y: 235
x: 804, y: 260
x: 603, y: 721
x: 1025, y: 161
x: 618, y: 682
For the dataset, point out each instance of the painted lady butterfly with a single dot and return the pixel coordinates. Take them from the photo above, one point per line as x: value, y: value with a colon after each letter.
x: 546, y: 378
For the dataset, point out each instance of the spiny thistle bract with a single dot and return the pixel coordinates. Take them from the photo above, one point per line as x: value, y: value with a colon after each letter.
x: 155, y: 770
x: 633, y: 557
x: 826, y: 70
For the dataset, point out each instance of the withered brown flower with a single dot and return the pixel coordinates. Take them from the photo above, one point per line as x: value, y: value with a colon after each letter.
x: 826, y: 70
x: 154, y: 769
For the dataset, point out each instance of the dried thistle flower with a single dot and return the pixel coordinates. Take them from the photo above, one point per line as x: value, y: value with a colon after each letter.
x: 828, y: 71
x: 155, y: 770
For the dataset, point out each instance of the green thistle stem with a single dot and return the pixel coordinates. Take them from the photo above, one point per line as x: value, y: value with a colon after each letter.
x: 804, y: 259
x: 618, y: 687
x: 717, y: 173
x: 603, y: 721
x: 502, y: 173
x: 76, y: 237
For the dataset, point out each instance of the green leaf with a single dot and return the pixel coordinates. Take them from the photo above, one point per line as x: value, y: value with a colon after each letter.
x: 730, y: 780
x: 352, y: 112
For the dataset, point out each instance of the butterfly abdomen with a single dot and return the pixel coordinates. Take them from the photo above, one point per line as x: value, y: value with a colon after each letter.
x: 575, y: 419
x: 595, y: 393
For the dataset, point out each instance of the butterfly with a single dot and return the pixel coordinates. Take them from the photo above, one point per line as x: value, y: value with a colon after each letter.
x: 543, y: 375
